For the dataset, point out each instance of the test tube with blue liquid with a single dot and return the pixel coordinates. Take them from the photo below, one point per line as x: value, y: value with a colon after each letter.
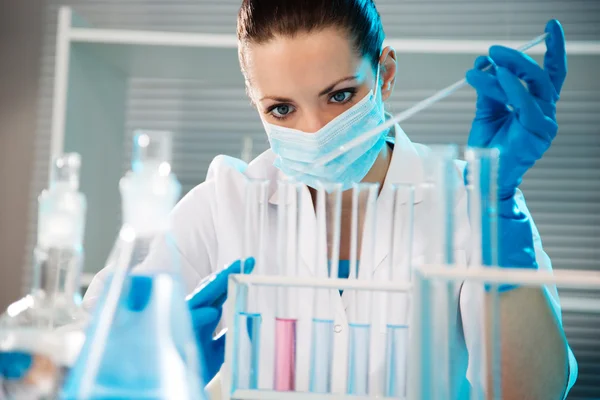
x: 362, y: 255
x: 328, y: 213
x: 249, y: 318
x: 398, y: 303
x: 286, y: 319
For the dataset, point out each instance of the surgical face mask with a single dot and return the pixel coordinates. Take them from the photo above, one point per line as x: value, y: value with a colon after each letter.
x: 297, y: 151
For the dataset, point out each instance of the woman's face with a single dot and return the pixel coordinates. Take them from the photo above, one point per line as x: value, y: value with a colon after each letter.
x: 305, y: 81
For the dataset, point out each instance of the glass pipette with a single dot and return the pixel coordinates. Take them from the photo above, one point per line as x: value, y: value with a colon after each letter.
x: 406, y: 114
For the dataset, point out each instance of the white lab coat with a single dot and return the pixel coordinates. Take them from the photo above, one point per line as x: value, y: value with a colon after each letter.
x: 208, y: 228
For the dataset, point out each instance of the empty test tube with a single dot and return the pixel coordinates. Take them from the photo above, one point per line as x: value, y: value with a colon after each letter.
x: 329, y: 202
x: 440, y: 192
x: 482, y: 172
x: 398, y: 304
x: 288, y: 212
x: 362, y: 238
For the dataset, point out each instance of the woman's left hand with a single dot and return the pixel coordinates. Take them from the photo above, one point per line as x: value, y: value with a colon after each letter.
x: 206, y: 308
x: 519, y: 120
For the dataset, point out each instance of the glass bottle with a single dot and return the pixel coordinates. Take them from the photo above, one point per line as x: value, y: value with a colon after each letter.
x: 40, y: 334
x: 140, y: 343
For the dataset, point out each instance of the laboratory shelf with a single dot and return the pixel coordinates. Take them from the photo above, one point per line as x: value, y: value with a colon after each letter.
x: 152, y: 54
x: 181, y: 55
x: 94, y: 68
x: 148, y: 54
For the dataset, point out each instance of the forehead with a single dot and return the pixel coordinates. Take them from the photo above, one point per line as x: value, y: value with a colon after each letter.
x: 307, y: 61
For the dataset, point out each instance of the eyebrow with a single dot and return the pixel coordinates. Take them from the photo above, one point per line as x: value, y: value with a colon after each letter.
x: 278, y: 99
x: 323, y: 92
x: 330, y: 87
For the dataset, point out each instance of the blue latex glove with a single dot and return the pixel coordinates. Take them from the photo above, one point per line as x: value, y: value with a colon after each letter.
x: 206, y: 308
x: 14, y: 365
x: 521, y: 122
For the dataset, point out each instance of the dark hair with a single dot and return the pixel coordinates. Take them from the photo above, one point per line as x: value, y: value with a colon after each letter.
x: 261, y: 20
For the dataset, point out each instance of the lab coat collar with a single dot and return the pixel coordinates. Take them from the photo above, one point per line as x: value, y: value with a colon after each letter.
x: 406, y: 166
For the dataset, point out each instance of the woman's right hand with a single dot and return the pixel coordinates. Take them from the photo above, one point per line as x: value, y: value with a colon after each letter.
x: 206, y: 307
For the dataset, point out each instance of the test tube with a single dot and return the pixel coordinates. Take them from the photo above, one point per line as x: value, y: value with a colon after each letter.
x: 247, y: 345
x: 256, y: 223
x: 440, y: 192
x: 482, y: 172
x: 362, y: 236
x: 398, y: 305
x: 329, y: 207
x: 288, y: 212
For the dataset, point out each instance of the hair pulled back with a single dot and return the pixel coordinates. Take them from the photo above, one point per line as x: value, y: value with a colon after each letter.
x: 261, y: 20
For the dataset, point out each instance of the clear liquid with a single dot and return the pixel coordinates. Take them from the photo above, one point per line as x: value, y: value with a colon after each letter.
x: 358, y: 359
x: 321, y: 356
x: 396, y: 352
x: 285, y: 354
x: 247, y: 351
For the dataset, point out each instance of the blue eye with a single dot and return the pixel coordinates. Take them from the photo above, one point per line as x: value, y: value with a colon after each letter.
x: 342, y: 97
x: 282, y: 110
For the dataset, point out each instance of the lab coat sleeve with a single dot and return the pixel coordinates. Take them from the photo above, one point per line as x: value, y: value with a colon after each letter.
x: 545, y: 264
x: 472, y: 314
x: 194, y: 241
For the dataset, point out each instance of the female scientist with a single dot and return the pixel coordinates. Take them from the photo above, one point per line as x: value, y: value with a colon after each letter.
x: 316, y: 70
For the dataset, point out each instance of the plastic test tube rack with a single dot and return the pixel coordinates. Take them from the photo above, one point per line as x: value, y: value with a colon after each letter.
x: 237, y: 282
x: 422, y: 278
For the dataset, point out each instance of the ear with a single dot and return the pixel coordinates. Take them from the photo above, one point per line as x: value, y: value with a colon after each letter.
x: 389, y: 66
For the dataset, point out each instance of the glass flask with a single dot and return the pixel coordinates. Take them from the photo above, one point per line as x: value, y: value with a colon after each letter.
x: 40, y: 334
x: 140, y: 343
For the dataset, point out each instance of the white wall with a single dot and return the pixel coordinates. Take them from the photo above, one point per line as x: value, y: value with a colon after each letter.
x: 20, y: 49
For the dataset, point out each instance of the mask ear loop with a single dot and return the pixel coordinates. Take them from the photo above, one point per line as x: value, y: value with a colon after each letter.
x: 377, y: 85
x: 379, y: 89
